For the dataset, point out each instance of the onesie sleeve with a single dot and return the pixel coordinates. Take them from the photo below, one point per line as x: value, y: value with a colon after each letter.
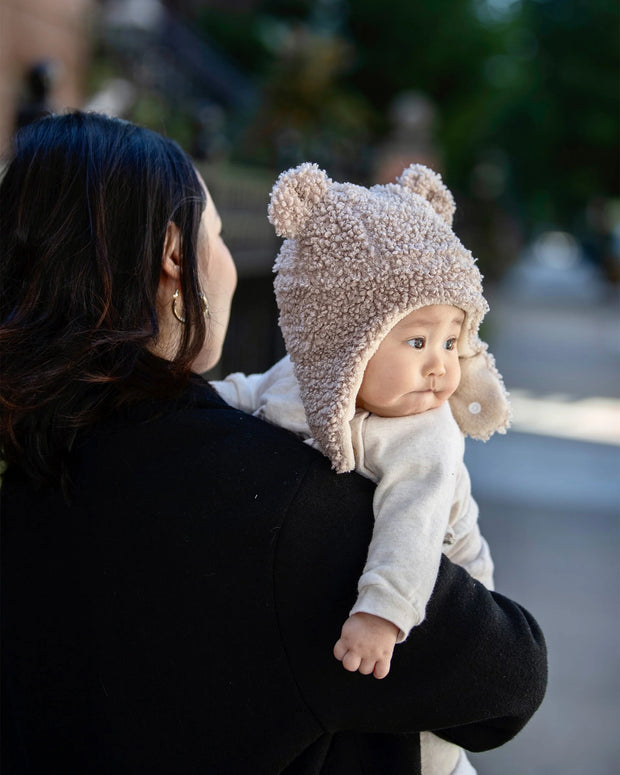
x: 416, y: 462
x: 464, y: 544
x: 472, y: 552
x: 241, y: 391
x: 273, y: 396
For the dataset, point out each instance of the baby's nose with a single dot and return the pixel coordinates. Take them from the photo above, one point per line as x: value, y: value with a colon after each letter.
x: 434, y: 365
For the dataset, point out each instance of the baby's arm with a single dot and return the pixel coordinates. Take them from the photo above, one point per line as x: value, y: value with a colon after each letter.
x: 465, y: 545
x: 273, y: 396
x: 243, y: 391
x: 415, y: 461
x: 472, y: 553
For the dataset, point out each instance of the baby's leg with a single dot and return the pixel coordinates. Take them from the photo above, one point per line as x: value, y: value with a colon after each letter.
x: 472, y: 553
x: 439, y: 757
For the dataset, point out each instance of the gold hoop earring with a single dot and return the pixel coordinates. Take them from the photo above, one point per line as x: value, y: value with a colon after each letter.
x: 175, y: 296
x: 180, y: 317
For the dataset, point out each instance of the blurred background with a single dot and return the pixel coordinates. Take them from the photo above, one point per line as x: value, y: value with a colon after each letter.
x: 516, y: 103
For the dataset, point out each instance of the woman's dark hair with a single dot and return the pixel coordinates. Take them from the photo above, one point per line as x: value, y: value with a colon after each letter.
x: 84, y: 207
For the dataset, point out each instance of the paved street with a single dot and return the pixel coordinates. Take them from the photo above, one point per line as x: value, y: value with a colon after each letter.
x: 549, y: 496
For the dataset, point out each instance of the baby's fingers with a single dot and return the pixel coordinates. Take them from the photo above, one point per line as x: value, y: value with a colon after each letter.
x: 340, y: 650
x: 352, y: 661
x: 367, y: 666
x: 382, y: 668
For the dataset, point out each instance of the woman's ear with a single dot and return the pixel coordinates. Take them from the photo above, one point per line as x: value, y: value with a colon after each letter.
x: 171, y: 258
x: 166, y: 343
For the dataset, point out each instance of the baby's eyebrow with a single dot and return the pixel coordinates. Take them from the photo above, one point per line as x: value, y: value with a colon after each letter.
x: 408, y: 326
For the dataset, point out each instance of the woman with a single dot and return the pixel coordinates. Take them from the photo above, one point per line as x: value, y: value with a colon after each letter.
x: 175, y: 571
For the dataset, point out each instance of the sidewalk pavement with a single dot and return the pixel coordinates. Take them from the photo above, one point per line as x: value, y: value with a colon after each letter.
x: 549, y: 496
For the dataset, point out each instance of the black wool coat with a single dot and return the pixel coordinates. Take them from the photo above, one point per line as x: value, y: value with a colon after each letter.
x: 178, y: 617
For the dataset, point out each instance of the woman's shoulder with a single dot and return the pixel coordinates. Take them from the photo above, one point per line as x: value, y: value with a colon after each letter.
x: 205, y: 418
x: 198, y: 437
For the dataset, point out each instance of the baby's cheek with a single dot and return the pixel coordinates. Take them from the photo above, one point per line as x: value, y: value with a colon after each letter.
x: 454, y: 383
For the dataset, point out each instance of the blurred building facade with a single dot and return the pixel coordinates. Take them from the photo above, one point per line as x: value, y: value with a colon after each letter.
x: 51, y: 35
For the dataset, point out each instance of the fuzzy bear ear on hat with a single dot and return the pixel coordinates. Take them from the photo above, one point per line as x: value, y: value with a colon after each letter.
x: 294, y: 196
x: 428, y: 184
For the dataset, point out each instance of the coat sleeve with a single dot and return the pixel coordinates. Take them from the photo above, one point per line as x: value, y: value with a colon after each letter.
x: 474, y: 670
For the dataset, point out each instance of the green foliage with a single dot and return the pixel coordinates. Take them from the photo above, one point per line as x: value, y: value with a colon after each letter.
x: 533, y: 82
x: 562, y: 129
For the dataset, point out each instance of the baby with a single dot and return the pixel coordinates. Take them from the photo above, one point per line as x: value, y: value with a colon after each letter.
x: 380, y: 307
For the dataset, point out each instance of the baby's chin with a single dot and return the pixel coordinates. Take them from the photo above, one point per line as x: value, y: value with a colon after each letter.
x: 411, y: 403
x: 423, y: 402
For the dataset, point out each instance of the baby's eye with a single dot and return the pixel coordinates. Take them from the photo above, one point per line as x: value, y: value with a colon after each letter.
x: 417, y: 342
x: 450, y: 344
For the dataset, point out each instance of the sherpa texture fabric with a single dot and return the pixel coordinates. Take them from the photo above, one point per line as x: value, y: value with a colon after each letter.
x: 354, y: 262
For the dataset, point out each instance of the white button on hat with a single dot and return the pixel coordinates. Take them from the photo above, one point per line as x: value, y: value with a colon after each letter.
x: 475, y: 407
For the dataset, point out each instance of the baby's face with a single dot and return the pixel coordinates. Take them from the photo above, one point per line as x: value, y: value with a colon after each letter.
x: 416, y: 367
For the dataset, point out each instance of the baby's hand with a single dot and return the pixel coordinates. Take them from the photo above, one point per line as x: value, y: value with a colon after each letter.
x: 366, y: 644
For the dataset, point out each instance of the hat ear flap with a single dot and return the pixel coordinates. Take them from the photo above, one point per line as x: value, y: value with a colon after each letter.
x: 428, y: 184
x: 294, y: 196
x: 480, y: 404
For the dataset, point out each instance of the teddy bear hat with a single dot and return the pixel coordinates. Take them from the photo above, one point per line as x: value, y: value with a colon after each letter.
x: 354, y: 262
